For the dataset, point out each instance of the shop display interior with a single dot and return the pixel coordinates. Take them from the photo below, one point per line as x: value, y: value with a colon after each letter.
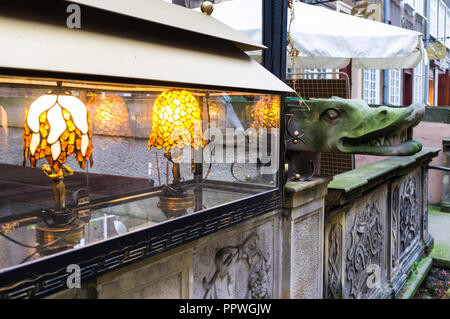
x: 85, y: 162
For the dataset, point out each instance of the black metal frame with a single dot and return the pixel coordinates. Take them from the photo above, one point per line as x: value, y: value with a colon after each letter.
x: 274, y: 31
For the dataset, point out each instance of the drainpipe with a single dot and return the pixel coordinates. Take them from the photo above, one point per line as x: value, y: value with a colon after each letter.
x: 427, y: 40
x: 386, y: 14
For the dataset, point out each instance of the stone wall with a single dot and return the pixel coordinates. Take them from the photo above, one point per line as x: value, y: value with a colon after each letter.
x: 376, y: 227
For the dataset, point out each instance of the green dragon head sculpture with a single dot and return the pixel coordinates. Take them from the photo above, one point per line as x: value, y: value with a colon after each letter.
x: 352, y: 126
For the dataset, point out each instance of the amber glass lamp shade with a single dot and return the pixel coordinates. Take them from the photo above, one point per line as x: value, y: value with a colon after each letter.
x: 176, y: 121
x: 57, y: 126
x: 266, y: 113
x: 109, y: 115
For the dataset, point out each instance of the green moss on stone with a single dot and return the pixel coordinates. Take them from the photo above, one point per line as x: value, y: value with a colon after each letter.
x: 420, y: 271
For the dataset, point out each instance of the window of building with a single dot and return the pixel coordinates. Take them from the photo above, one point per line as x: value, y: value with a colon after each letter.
x: 441, y: 25
x: 371, y: 86
x: 447, y: 34
x: 418, y: 5
x: 394, y: 87
x: 318, y: 73
x: 418, y: 83
x: 433, y: 17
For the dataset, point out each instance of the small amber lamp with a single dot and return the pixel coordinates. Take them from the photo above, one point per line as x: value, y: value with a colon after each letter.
x: 57, y: 126
x: 109, y: 115
x: 217, y: 114
x: 176, y: 124
x: 266, y: 113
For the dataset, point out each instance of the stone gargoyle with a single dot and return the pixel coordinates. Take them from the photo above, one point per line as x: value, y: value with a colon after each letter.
x: 348, y: 126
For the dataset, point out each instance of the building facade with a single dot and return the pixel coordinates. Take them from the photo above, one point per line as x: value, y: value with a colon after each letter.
x: 430, y: 83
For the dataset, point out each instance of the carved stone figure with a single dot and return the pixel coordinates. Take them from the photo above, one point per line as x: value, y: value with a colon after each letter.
x: 228, y: 259
x: 349, y: 126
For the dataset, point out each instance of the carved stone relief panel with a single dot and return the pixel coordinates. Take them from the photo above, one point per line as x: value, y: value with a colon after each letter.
x: 395, y: 204
x: 248, y: 255
x: 365, y: 252
x: 365, y: 249
x: 409, y: 212
x: 236, y: 264
x: 425, y: 203
x: 333, y: 267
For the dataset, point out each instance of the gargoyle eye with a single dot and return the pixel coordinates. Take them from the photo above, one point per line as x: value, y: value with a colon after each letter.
x: 331, y: 114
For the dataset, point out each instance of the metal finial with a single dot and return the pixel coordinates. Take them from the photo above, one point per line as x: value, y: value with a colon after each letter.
x: 207, y: 7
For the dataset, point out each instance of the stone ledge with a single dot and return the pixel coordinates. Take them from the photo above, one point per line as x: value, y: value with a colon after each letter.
x: 349, y: 185
x: 301, y: 193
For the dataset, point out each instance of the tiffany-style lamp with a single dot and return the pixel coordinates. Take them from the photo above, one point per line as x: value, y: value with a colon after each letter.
x: 57, y: 126
x: 176, y: 124
x: 217, y: 115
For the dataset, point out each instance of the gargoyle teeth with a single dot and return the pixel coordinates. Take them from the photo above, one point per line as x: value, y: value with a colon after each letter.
x: 396, y: 138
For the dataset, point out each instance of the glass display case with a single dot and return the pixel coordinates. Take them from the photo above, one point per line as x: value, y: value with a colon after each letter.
x: 143, y: 129
x: 84, y: 162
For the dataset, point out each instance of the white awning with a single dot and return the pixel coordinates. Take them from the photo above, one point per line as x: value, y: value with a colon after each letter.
x: 329, y: 39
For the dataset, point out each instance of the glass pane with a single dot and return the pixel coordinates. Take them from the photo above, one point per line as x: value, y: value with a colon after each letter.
x: 112, y: 159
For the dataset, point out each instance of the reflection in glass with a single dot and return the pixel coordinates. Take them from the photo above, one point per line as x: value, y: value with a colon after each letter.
x: 109, y: 115
x: 3, y: 127
x: 266, y: 113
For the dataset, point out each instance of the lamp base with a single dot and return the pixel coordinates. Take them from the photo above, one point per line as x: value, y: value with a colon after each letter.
x: 72, y: 232
x: 175, y: 204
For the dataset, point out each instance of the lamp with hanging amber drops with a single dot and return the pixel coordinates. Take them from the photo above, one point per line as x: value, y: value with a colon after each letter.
x: 176, y: 124
x: 57, y: 125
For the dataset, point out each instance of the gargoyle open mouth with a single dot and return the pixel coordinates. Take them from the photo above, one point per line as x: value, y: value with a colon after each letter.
x: 382, y: 143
